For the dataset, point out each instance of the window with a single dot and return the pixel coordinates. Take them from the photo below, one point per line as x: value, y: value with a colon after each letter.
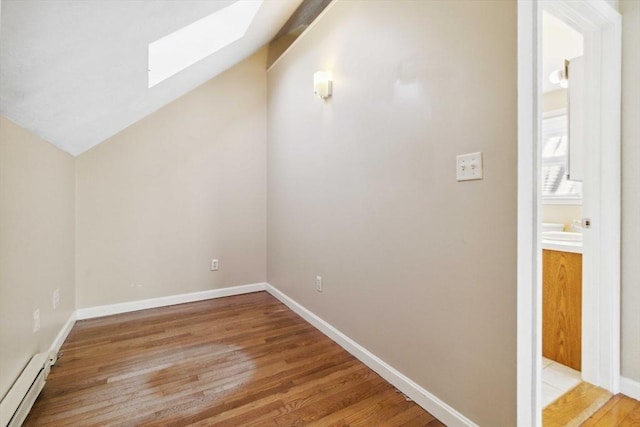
x: 556, y: 188
x: 180, y: 49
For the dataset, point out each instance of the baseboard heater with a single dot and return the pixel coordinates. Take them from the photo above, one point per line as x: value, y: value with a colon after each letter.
x: 16, y: 405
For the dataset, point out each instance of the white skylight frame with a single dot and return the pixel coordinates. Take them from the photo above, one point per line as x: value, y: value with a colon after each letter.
x: 188, y: 45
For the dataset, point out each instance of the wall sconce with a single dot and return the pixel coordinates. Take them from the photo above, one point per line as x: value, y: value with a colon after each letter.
x: 322, y: 84
x: 561, y: 76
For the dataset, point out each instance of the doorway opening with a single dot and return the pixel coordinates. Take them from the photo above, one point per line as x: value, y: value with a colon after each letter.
x: 561, y: 176
x: 600, y: 27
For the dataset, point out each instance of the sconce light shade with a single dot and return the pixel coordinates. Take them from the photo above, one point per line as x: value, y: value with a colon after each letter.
x: 556, y: 77
x: 322, y: 84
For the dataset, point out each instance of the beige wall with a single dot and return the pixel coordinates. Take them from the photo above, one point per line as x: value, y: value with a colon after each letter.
x: 418, y: 268
x: 554, y: 100
x: 37, y: 192
x: 561, y: 214
x: 630, y: 189
x: 159, y: 200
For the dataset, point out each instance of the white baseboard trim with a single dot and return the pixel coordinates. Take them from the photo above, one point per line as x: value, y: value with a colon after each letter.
x: 125, y: 307
x: 62, y: 335
x: 422, y: 397
x: 630, y: 387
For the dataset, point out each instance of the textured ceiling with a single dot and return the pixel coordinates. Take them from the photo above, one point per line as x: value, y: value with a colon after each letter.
x: 75, y: 71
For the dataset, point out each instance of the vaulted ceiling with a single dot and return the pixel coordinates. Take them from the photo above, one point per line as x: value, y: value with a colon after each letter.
x: 76, y: 72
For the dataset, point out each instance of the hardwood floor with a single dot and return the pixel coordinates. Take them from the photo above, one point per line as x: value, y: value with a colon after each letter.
x: 619, y: 411
x: 589, y: 406
x: 575, y: 406
x: 238, y: 361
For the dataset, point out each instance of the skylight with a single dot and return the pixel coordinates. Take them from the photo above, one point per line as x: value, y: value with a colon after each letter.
x: 183, y: 48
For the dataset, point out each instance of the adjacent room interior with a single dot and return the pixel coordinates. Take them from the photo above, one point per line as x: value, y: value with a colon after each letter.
x: 284, y: 191
x: 563, y: 48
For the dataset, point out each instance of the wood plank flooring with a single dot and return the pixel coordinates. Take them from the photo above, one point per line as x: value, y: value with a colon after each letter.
x: 575, y: 406
x: 619, y: 411
x: 589, y: 406
x: 239, y: 361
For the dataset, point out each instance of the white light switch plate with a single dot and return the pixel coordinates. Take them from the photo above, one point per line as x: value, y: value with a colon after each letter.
x: 469, y: 166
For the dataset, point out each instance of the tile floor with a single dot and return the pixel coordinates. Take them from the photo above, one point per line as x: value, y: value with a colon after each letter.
x: 557, y: 379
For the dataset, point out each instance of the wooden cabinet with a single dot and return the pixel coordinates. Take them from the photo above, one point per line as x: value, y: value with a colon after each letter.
x: 562, y: 307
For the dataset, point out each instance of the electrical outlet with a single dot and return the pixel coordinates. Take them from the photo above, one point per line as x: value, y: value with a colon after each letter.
x: 56, y: 298
x: 215, y: 265
x: 53, y: 357
x: 469, y: 166
x: 319, y: 283
x: 36, y: 320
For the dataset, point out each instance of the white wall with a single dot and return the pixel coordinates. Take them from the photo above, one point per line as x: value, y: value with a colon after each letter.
x: 630, y: 188
x: 418, y: 268
x: 159, y: 200
x: 37, y: 221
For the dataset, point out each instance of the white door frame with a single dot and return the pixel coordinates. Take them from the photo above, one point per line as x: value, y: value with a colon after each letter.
x: 601, y: 26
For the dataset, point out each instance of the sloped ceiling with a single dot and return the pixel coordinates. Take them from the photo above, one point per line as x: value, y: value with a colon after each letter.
x: 75, y: 71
